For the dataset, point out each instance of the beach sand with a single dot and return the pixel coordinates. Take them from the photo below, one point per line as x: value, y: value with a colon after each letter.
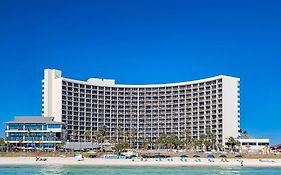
x: 137, y: 162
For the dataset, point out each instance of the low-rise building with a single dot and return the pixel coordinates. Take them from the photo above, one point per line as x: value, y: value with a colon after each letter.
x: 254, y: 145
x: 276, y: 148
x: 34, y: 132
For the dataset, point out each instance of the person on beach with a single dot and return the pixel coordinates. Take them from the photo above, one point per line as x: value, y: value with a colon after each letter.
x: 242, y: 163
x: 81, y: 159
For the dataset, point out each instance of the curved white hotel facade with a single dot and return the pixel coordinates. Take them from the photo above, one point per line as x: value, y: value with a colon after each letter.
x: 145, y: 111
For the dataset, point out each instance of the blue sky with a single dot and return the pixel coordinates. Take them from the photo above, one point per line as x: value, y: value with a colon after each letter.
x: 140, y: 42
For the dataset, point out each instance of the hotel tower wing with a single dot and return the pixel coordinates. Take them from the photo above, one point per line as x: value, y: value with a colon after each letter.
x: 144, y: 111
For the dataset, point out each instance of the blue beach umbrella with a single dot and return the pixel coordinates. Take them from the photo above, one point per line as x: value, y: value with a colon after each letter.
x: 211, y: 156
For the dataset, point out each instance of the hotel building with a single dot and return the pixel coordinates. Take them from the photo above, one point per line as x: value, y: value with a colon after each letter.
x: 145, y: 111
x: 254, y: 145
x: 34, y: 132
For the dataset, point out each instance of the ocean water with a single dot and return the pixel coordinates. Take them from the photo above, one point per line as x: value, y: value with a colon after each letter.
x: 95, y: 170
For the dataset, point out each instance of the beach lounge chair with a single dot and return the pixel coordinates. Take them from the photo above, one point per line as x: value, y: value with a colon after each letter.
x: 266, y: 160
x: 158, y: 159
x: 223, y: 158
x: 170, y: 159
x: 238, y: 160
x: 62, y: 156
x: 183, y: 159
x: 81, y: 159
x: 197, y: 158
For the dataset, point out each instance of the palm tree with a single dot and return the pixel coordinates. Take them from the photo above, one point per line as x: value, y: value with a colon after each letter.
x: 157, y: 143
x: 203, y: 140
x: 80, y: 143
x: 126, y: 136
x: 7, y: 139
x: 197, y: 143
x: 93, y: 140
x: 266, y: 149
x: 177, y: 142
x: 88, y: 134
x: 132, y: 133
x: 29, y: 135
x: 52, y: 137
x: 32, y: 137
x: 245, y: 134
x: 145, y: 144
x: 209, y: 140
x: 238, y: 143
x: 101, y: 135
x: 119, y: 132
x: 2, y: 143
x: 59, y: 145
x: 151, y: 143
x: 47, y: 135
x: 38, y: 140
x: 231, y: 142
x: 186, y: 141
x: 113, y: 141
x: 162, y: 141
x: 20, y: 141
x: 192, y: 144
x: 170, y: 142
x: 120, y: 146
x: 220, y: 147
x: 74, y: 135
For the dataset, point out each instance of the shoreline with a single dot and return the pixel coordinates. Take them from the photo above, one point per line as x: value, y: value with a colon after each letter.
x: 30, y: 161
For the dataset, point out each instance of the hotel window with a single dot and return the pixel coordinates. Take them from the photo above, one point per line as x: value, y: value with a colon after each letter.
x: 263, y: 143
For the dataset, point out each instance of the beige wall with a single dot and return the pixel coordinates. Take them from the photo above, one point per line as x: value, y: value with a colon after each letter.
x: 52, y: 94
x: 230, y: 107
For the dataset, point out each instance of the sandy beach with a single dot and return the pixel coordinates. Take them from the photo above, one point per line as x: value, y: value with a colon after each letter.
x: 137, y: 162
